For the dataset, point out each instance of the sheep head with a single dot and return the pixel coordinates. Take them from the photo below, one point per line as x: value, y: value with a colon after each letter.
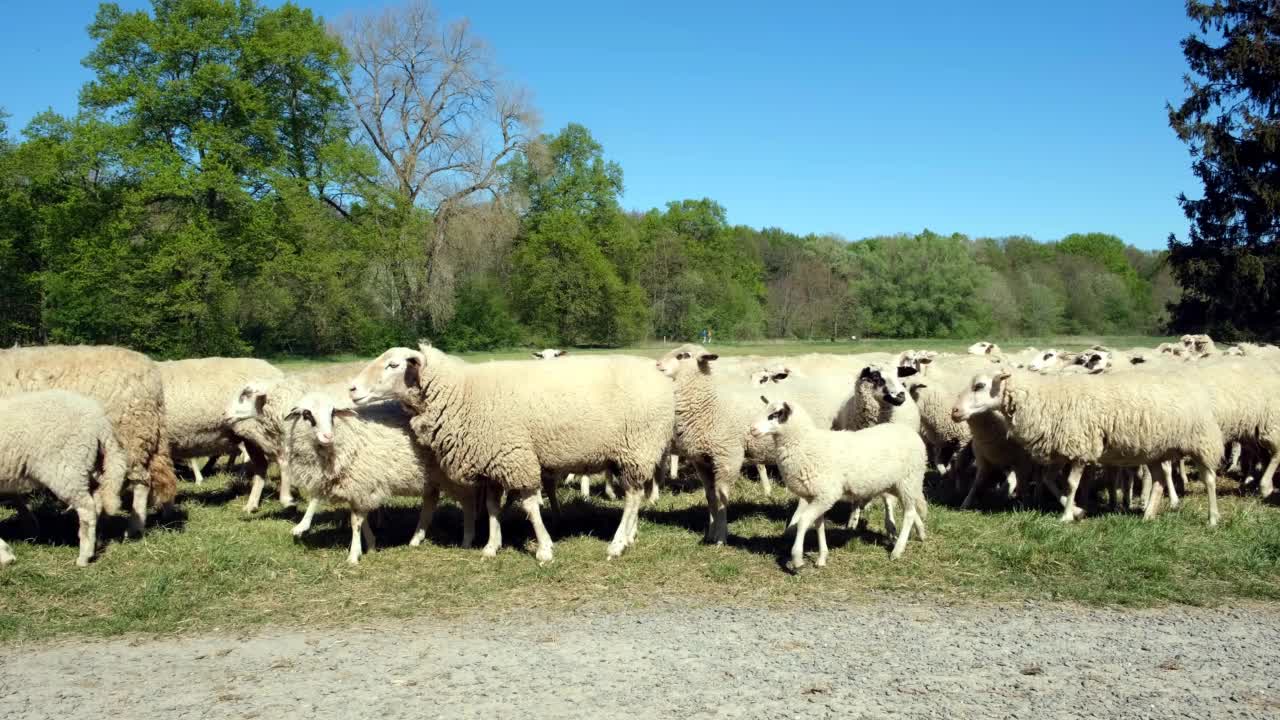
x: 394, y: 374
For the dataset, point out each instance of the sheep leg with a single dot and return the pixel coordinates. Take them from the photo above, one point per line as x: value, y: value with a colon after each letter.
x: 1210, y: 479
x: 1070, y: 513
x: 493, y: 504
x: 808, y: 514
x: 654, y: 490
x: 890, y: 523
x: 709, y: 487
x: 979, y: 481
x: 766, y: 484
x: 255, y: 491
x: 1234, y: 465
x: 468, y: 502
x: 919, y: 524
x: 909, y: 520
x: 722, y: 514
x: 529, y: 501
x: 286, y: 492
x: 1147, y: 483
x: 584, y: 484
x: 366, y: 531
x: 430, y: 499
x: 609, y: 492
x: 856, y: 520
x: 1180, y: 480
x: 1011, y: 483
x: 138, y: 518
x: 822, y: 541
x: 195, y: 470
x: 674, y: 473
x: 1171, y: 486
x: 1156, y: 489
x: 357, y: 528
x: 6, y: 555
x: 305, y: 523
x: 87, y: 512
x: 622, y: 537
x: 1266, y: 485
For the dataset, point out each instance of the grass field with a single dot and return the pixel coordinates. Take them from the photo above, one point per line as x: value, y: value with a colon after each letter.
x: 212, y: 568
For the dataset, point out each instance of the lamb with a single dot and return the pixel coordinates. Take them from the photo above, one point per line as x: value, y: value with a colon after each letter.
x: 549, y: 354
x: 365, y: 458
x: 128, y: 386
x: 505, y: 423
x: 64, y: 442
x: 823, y: 397
x: 1110, y: 420
x: 823, y: 466
x: 195, y: 398
x: 993, y: 449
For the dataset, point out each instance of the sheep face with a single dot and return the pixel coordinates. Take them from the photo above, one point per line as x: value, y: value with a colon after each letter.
x: 392, y: 375
x: 686, y: 356
x: 775, y: 416
x: 915, y: 360
x: 1047, y: 360
x: 770, y: 375
x: 984, y: 394
x: 247, y: 404
x: 318, y: 411
x: 548, y: 354
x: 889, y: 386
x: 983, y: 348
x: 1095, y: 361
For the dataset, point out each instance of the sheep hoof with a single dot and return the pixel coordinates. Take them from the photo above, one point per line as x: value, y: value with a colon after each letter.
x: 353, y: 560
x: 544, y: 556
x: 82, y: 562
x: 287, y: 502
x: 417, y: 538
x: 1213, y: 521
x: 795, y: 566
x: 821, y: 561
x: 250, y: 509
x: 299, y: 530
x: 615, y: 549
x: 488, y: 552
x: 6, y: 559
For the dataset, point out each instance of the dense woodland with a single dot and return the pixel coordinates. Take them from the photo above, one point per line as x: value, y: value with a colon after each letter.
x: 241, y: 179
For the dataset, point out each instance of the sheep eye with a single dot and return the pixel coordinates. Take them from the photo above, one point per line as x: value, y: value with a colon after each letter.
x: 306, y: 415
x: 393, y: 365
x: 980, y: 386
x: 682, y: 356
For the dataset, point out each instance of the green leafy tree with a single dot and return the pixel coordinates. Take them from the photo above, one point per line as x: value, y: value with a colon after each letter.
x: 1230, y: 120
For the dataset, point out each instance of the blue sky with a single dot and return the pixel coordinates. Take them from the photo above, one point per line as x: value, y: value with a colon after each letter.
x: 855, y: 118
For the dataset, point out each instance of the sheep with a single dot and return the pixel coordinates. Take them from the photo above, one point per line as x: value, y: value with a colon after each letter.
x: 1121, y: 420
x: 129, y: 387
x: 364, y: 458
x: 984, y: 348
x: 195, y: 398
x: 711, y: 420
x: 993, y: 448
x: 549, y: 354
x: 256, y: 413
x: 823, y: 397
x: 62, y: 441
x: 823, y: 466
x: 505, y: 423
x: 1246, y: 404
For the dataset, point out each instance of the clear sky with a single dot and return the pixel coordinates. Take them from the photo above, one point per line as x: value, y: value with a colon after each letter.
x: 988, y: 118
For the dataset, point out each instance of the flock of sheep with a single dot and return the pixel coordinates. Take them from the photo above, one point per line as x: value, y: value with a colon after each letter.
x: 90, y: 422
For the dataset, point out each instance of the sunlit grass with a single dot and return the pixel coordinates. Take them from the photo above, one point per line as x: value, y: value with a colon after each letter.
x: 213, y: 568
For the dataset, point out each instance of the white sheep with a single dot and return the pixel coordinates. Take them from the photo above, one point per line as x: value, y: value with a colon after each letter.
x: 549, y: 354
x: 1110, y: 420
x: 823, y: 466
x: 984, y: 348
x: 64, y: 442
x: 364, y: 459
x: 505, y: 423
x: 129, y: 387
x: 195, y: 399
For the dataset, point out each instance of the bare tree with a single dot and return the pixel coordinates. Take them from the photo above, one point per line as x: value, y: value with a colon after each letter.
x: 437, y: 112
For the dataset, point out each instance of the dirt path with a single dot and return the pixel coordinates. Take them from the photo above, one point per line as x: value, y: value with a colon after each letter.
x: 869, y: 660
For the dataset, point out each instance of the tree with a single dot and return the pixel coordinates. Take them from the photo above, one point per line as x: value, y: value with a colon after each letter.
x: 441, y: 119
x: 1230, y: 120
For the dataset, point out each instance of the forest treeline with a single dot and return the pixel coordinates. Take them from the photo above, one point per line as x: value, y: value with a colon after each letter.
x: 245, y: 179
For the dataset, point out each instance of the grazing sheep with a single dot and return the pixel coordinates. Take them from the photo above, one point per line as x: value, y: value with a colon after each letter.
x: 823, y: 466
x: 128, y: 386
x: 64, y: 442
x: 195, y: 400
x: 1110, y: 420
x: 364, y: 459
x: 549, y: 354
x: 506, y: 423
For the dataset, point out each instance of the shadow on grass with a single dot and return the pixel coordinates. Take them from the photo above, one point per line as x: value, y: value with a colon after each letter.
x: 50, y: 523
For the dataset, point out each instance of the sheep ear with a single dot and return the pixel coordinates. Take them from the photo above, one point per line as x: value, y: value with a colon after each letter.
x: 561, y: 353
x: 866, y: 373
x: 906, y: 371
x: 413, y: 370
x: 785, y: 413
x: 764, y: 400
x: 781, y: 376
x: 537, y: 355
x: 293, y: 414
x: 928, y: 357
x: 706, y: 358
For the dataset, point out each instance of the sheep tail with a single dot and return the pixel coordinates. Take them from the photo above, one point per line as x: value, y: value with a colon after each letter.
x: 164, y: 479
x: 112, y: 464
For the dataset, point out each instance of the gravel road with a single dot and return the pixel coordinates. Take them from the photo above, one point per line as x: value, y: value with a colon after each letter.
x: 873, y: 659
